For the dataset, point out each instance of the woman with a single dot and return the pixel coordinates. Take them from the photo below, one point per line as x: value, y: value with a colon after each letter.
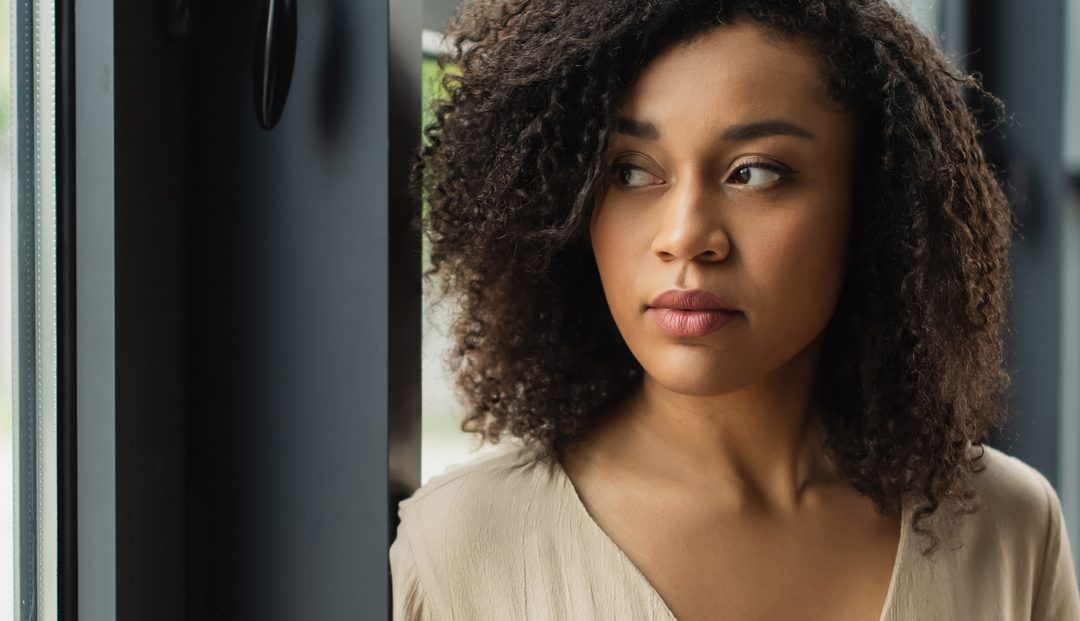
x: 733, y: 280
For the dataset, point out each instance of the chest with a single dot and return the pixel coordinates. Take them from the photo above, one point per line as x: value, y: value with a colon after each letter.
x: 836, y: 565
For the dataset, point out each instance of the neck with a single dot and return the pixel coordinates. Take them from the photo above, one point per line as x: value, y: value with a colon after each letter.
x: 761, y: 446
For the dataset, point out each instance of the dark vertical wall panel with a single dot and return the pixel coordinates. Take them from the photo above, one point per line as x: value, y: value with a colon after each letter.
x: 290, y: 244
x: 151, y: 179
x: 405, y: 258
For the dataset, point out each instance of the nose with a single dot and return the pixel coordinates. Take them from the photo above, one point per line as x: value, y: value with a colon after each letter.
x: 692, y: 226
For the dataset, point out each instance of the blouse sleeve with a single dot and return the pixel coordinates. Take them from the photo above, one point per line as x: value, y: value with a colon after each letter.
x: 407, y: 592
x: 1056, y: 594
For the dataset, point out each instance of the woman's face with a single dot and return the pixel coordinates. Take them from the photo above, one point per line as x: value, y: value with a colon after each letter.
x: 731, y: 173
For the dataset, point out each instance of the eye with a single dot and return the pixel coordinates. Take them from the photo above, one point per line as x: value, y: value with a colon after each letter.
x: 758, y: 175
x: 631, y: 176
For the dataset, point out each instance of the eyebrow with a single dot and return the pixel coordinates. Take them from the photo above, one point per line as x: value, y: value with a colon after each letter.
x: 735, y: 133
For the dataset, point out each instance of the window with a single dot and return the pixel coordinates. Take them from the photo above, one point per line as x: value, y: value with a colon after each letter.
x: 28, y: 412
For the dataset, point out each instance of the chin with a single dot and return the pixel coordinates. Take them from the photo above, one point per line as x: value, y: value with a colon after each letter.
x: 695, y: 386
x: 699, y: 375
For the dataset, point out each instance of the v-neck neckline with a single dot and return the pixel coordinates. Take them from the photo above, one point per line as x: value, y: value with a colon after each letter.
x: 574, y: 499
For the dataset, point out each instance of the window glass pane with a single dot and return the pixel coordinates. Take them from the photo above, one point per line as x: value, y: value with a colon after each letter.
x: 7, y: 510
x: 29, y: 198
x: 927, y: 13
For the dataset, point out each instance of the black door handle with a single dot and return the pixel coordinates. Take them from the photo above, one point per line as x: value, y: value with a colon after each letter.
x: 275, y: 52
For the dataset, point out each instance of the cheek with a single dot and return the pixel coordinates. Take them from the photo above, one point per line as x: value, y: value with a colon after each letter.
x: 798, y: 268
x: 616, y: 248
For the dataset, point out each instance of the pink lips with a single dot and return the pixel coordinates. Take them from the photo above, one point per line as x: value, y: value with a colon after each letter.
x: 693, y: 312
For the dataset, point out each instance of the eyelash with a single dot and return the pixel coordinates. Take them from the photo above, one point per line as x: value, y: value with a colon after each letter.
x: 786, y: 174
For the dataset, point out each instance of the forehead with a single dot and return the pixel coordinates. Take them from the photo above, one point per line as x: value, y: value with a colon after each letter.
x: 731, y: 74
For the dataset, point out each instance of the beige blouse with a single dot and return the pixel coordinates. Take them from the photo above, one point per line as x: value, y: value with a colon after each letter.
x: 505, y: 537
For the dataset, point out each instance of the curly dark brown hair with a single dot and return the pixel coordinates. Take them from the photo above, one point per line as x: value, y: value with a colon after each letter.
x: 912, y: 371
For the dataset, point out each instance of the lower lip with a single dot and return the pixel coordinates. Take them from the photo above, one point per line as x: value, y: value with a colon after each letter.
x: 684, y: 323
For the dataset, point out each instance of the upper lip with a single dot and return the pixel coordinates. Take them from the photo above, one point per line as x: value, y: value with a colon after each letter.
x: 690, y: 299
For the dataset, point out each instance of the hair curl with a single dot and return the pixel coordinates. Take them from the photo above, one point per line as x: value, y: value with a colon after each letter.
x: 912, y: 370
